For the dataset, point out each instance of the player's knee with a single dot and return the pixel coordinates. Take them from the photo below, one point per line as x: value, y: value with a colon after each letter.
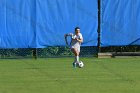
x: 77, y: 53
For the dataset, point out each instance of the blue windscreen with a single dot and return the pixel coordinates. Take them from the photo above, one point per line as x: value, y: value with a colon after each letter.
x: 120, y: 23
x: 42, y: 23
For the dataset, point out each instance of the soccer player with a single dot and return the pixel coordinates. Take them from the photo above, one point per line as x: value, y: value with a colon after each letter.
x: 76, y: 40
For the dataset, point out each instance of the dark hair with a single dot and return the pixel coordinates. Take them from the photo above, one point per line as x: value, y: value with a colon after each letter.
x: 77, y: 28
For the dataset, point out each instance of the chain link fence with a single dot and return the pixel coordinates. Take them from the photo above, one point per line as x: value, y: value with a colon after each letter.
x: 90, y: 51
x: 122, y: 50
x: 46, y: 52
x: 135, y: 48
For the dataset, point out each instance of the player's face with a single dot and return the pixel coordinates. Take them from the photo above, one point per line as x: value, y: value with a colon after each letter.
x: 77, y: 31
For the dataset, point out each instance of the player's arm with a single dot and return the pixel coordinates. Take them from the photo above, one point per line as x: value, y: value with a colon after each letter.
x: 70, y: 34
x: 66, y: 38
x: 80, y: 40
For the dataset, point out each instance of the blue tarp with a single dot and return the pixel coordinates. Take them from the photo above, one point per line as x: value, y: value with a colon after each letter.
x: 42, y: 23
x: 120, y: 23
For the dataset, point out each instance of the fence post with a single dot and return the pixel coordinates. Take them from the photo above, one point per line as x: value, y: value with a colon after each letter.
x: 99, y: 20
x: 35, y: 53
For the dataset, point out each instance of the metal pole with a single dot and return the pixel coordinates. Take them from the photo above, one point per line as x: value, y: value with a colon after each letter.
x: 99, y: 30
x: 35, y: 53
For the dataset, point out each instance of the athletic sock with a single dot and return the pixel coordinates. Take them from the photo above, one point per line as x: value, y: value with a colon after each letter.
x: 77, y: 58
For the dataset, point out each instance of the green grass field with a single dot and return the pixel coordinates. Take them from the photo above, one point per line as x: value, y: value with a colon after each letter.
x: 56, y: 75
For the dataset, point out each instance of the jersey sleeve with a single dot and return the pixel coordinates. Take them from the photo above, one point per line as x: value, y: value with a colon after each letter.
x: 80, y: 35
x: 71, y: 35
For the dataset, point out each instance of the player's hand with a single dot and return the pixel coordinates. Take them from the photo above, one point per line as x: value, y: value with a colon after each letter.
x: 77, y: 39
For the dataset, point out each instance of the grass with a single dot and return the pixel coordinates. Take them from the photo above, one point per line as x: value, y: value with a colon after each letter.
x: 56, y: 75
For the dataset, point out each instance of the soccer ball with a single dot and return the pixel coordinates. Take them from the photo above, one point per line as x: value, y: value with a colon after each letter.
x: 81, y: 64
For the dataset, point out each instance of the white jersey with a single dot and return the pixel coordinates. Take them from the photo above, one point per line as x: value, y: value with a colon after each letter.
x: 74, y: 43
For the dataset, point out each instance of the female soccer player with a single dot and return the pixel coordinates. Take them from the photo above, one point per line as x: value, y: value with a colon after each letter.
x: 76, y: 40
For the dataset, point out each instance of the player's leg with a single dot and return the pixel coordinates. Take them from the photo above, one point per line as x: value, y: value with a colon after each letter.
x: 74, y: 50
x: 76, y: 53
